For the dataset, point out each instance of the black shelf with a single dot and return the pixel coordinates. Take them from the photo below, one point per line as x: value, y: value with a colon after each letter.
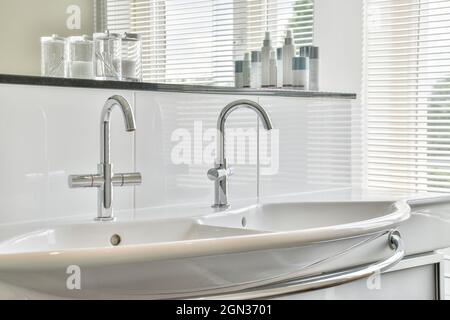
x: 144, y: 86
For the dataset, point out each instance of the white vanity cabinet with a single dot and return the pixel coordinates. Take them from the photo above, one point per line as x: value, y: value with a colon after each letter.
x: 446, y: 274
x: 419, y: 277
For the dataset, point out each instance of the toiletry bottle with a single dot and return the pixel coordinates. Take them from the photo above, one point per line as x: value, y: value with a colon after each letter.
x: 273, y: 70
x: 314, y: 69
x: 239, y: 74
x: 279, y: 67
x: 288, y: 54
x: 246, y: 70
x: 300, y: 72
x: 313, y: 54
x: 255, y: 79
x: 265, y: 60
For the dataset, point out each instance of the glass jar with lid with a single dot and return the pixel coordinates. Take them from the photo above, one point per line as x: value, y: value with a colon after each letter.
x: 53, y: 56
x: 80, y: 55
x: 107, y: 56
x: 131, y: 57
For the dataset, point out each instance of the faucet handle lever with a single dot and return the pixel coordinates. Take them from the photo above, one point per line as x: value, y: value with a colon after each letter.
x: 85, y: 181
x: 127, y: 179
x: 97, y: 180
x: 215, y: 174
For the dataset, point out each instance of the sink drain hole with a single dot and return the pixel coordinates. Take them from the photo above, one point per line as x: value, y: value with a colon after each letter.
x: 116, y: 240
x: 244, y: 222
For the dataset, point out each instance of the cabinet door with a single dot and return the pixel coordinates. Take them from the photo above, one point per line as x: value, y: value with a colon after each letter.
x: 419, y: 282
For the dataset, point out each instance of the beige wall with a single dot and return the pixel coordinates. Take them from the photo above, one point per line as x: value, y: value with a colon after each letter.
x: 23, y: 22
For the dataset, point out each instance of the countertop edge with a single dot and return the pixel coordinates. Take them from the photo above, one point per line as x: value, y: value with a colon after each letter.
x: 144, y: 86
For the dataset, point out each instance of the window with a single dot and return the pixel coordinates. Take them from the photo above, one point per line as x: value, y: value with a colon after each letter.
x: 407, y: 91
x: 197, y: 42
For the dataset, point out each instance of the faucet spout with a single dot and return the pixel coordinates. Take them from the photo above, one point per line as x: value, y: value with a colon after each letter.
x: 220, y: 173
x: 130, y: 124
x: 230, y: 108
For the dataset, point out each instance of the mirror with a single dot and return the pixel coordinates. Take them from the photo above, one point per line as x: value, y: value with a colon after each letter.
x: 182, y: 41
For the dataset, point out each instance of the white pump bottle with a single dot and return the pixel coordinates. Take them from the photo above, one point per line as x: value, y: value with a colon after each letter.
x: 265, y: 60
x: 288, y: 55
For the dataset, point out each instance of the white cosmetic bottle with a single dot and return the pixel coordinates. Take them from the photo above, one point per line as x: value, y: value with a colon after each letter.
x: 265, y: 60
x: 280, y: 67
x: 314, y: 69
x: 247, y: 70
x: 313, y: 54
x: 273, y: 70
x: 288, y: 55
x: 300, y: 72
x: 239, y: 74
x: 255, y: 76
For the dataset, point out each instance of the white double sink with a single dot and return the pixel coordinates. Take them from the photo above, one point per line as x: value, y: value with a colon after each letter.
x: 241, y: 248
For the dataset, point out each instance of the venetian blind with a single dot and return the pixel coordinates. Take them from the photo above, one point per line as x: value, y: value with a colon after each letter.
x: 197, y: 42
x: 407, y: 91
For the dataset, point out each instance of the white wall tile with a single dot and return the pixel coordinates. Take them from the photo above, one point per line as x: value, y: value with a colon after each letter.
x: 23, y: 159
x: 314, y: 145
x: 47, y: 134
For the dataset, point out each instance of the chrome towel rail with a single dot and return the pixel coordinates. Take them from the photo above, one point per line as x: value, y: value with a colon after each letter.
x: 322, y: 281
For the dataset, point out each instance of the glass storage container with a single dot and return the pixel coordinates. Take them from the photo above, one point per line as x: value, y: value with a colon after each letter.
x: 107, y: 56
x: 53, y: 56
x: 80, y: 57
x: 131, y: 57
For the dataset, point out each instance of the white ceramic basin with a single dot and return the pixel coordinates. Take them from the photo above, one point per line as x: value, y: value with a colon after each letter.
x: 176, y: 257
x: 94, y: 235
x: 321, y: 217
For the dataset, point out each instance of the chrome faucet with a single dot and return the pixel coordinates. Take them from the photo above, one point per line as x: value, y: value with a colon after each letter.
x: 105, y: 179
x: 220, y: 173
